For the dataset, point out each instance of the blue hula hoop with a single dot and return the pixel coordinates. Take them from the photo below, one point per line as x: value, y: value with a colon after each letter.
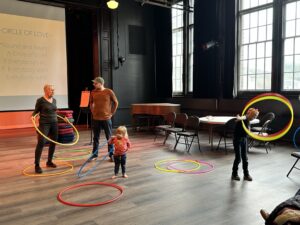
x: 294, y: 138
x: 80, y: 175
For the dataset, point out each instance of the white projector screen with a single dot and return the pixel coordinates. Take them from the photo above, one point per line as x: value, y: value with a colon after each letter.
x: 32, y: 54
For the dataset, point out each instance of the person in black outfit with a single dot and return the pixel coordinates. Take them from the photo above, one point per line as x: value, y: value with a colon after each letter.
x: 46, y: 107
x: 240, y: 143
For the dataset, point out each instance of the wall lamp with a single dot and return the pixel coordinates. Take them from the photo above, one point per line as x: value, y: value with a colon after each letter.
x: 112, y: 4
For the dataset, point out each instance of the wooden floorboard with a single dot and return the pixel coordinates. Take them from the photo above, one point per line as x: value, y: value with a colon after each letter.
x: 151, y: 197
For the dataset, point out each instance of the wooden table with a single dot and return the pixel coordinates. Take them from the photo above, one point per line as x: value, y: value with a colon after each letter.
x: 151, y: 111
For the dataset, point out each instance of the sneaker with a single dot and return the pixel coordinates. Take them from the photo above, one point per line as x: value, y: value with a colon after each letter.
x: 264, y: 214
x: 235, y: 177
x: 93, y: 158
x: 125, y: 175
x: 248, y: 177
x: 114, y: 177
x: 111, y: 159
x: 38, y: 169
x: 51, y: 164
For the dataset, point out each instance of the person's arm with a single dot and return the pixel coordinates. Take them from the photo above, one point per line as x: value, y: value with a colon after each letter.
x: 115, y: 103
x: 128, y: 143
x: 37, y: 108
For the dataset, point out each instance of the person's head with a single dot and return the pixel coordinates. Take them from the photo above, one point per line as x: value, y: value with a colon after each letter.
x: 121, y: 132
x: 252, y: 114
x: 49, y: 90
x: 98, y: 82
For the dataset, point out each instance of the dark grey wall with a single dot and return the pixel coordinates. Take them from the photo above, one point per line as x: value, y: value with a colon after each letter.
x: 134, y: 81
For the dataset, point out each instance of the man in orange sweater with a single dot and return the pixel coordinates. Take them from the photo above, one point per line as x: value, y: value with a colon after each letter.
x: 103, y: 103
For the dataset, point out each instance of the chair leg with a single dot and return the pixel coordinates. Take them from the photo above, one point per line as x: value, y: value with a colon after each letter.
x: 198, y: 143
x: 225, y: 145
x: 191, y: 144
x: 292, y: 167
x: 177, y: 140
x: 167, y: 135
x: 219, y: 143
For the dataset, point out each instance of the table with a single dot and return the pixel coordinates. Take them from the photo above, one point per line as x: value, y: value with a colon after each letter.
x: 213, y: 121
x: 150, y: 111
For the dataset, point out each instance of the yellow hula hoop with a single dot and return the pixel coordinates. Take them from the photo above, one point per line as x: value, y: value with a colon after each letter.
x: 71, y: 167
x: 156, y: 165
x: 270, y: 96
x: 55, y: 142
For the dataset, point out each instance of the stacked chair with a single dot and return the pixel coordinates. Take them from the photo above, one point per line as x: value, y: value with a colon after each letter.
x: 65, y: 130
x: 179, y: 125
x: 168, y: 123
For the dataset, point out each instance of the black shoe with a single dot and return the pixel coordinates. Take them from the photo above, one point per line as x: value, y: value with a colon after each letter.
x: 235, y: 177
x: 51, y: 164
x: 93, y: 157
x: 248, y: 177
x: 38, y: 169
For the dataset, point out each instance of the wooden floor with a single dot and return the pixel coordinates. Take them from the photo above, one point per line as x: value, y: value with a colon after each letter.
x: 150, y: 197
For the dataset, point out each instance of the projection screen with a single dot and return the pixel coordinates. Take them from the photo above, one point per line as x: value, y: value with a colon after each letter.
x: 32, y: 54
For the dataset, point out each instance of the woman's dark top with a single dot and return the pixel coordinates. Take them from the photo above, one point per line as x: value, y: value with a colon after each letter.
x: 239, y: 131
x: 46, y: 109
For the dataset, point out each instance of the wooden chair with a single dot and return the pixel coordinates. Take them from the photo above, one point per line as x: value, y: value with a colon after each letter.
x: 190, y: 132
x: 297, y: 156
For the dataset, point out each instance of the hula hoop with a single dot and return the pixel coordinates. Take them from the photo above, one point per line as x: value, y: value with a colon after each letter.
x: 294, y: 138
x: 89, y: 160
x: 74, y: 157
x: 157, y: 165
x: 48, y: 174
x: 171, y: 167
x: 59, y: 195
x: 55, y: 142
x: 210, y: 168
x: 269, y: 96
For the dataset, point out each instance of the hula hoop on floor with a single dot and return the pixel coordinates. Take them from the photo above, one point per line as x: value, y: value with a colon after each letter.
x: 55, y: 142
x: 71, y: 167
x: 88, y: 151
x: 157, y: 165
x: 59, y: 195
x: 79, y: 174
x: 210, y: 168
x: 269, y: 96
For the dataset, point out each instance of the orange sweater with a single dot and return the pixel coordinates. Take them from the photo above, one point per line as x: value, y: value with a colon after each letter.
x: 103, y: 104
x: 121, y: 145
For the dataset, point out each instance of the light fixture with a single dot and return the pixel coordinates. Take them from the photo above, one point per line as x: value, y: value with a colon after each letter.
x: 112, y: 4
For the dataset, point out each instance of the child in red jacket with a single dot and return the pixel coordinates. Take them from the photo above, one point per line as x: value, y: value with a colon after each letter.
x: 121, y: 144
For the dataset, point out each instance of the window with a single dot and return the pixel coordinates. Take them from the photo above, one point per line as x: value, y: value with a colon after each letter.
x: 255, y: 45
x: 177, y: 48
x: 291, y: 47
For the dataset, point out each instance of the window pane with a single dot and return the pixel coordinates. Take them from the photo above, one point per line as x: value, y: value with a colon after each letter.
x: 245, y: 36
x: 252, y: 51
x: 244, y: 52
x: 268, y: 82
x: 260, y: 80
x: 245, y: 21
x: 268, y: 65
x: 262, y: 35
x: 288, y: 64
x: 268, y: 49
x: 253, y: 19
x: 289, y: 46
x: 243, y: 83
x: 297, y: 81
x: 245, y: 4
x: 298, y: 27
x: 297, y: 63
x: 253, y: 3
x: 270, y: 16
x: 243, y: 67
x: 252, y: 66
x: 288, y: 81
x: 269, y: 32
x: 251, y: 82
x: 253, y: 35
x: 260, y: 50
x: 260, y: 66
x: 290, y: 11
x: 262, y: 15
x: 290, y: 28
